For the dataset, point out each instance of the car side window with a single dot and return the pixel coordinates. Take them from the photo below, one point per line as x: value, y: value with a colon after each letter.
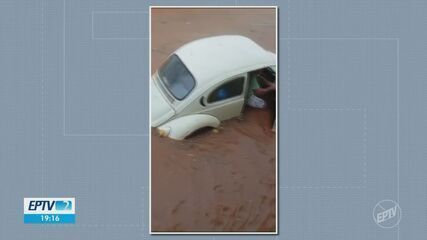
x: 227, y: 90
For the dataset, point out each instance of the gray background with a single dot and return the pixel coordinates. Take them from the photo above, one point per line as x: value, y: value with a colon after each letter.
x: 74, y: 116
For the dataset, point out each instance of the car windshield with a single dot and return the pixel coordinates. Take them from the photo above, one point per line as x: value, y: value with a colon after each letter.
x: 176, y: 78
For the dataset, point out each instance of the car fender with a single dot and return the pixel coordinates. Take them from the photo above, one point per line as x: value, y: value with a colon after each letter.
x: 182, y: 127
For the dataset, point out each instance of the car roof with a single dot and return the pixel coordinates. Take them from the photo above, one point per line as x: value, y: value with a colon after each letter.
x: 223, y: 56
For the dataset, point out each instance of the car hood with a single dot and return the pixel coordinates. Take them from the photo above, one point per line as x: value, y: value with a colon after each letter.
x: 161, y: 111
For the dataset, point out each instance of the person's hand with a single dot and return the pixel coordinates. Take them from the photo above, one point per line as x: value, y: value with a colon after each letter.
x: 260, y: 92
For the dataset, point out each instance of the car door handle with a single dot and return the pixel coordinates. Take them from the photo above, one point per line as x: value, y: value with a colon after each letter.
x: 201, y: 101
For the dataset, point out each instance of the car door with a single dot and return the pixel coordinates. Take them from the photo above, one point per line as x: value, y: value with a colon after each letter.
x: 226, y: 99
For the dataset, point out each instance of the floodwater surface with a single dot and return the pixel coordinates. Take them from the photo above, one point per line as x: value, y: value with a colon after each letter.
x: 216, y: 180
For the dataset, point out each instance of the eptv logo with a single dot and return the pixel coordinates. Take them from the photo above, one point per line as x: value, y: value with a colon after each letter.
x: 46, y: 205
x: 49, y: 210
x: 387, y: 213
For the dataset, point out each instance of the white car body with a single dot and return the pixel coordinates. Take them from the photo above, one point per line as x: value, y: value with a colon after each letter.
x: 210, y: 64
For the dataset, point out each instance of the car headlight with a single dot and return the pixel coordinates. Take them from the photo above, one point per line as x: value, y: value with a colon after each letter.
x: 163, y: 131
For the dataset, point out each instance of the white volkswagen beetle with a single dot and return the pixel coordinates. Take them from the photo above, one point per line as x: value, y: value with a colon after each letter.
x: 206, y: 81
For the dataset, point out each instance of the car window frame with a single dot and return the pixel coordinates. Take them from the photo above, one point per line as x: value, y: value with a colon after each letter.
x: 166, y: 88
x: 216, y: 86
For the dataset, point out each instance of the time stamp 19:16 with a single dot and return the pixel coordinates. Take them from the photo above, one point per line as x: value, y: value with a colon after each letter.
x: 49, y: 210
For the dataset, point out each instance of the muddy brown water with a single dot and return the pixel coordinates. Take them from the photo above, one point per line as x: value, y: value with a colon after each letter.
x: 221, y: 180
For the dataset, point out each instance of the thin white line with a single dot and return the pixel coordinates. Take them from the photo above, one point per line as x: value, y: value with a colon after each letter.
x: 42, y: 96
x: 398, y: 129
x: 327, y: 109
x: 217, y: 233
x: 323, y: 187
x: 149, y: 121
x: 235, y: 14
x: 120, y: 38
x: 365, y: 146
x: 337, y: 38
x: 63, y: 72
x: 213, y: 6
x: 92, y: 34
x: 103, y: 135
x: 398, y: 122
x: 277, y: 120
x: 118, y: 12
x: 289, y: 54
x: 142, y: 213
x: 96, y: 225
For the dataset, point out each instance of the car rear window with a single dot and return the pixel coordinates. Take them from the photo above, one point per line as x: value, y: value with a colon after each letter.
x: 176, y: 78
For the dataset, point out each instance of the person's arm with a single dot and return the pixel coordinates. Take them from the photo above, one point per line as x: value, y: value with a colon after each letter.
x: 266, y: 90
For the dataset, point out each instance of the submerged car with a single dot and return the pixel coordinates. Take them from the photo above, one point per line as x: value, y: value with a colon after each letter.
x: 205, y: 82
